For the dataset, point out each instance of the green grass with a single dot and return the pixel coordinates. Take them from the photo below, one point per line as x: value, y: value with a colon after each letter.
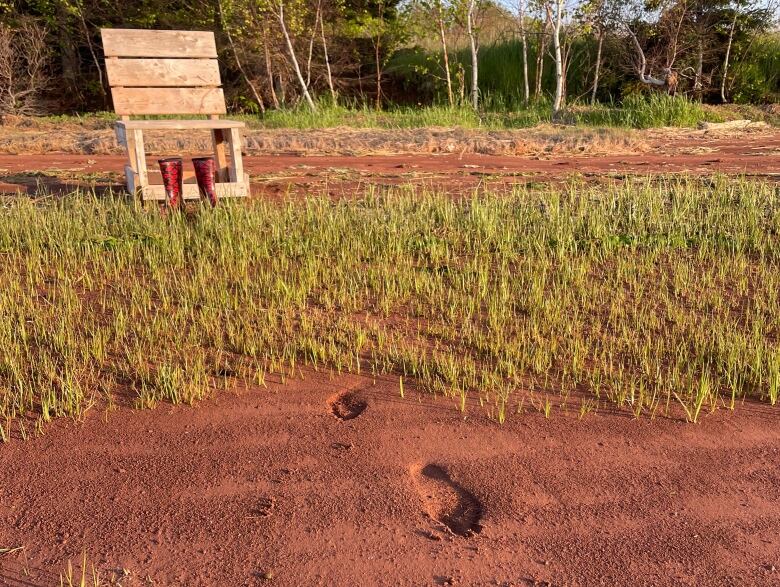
x: 654, y: 110
x: 642, y: 296
x: 640, y: 111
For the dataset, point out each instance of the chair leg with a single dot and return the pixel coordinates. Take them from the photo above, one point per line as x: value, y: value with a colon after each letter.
x: 140, y: 158
x: 236, y: 163
x: 136, y: 173
x: 220, y: 154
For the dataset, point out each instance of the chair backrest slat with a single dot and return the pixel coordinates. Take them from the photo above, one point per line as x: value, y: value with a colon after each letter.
x: 177, y: 73
x: 163, y: 72
x: 130, y: 101
x: 145, y: 43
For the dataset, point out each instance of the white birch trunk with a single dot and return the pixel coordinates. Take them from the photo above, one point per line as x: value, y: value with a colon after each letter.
x: 524, y: 41
x: 293, y: 58
x: 556, y: 25
x: 727, y: 58
x: 327, y: 60
x: 474, y: 54
x: 597, y: 73
x: 443, y: 38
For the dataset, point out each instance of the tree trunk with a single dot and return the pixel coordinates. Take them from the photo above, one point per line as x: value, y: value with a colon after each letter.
x: 597, y: 73
x: 524, y: 41
x: 448, y: 77
x: 269, y: 69
x: 727, y: 58
x: 311, y: 43
x: 240, y: 66
x: 698, y: 86
x: 378, y: 63
x: 642, y: 67
x: 294, y: 59
x: 378, y: 55
x: 474, y: 54
x: 327, y: 61
x: 540, y: 61
x: 69, y: 58
x: 556, y: 34
x: 95, y: 60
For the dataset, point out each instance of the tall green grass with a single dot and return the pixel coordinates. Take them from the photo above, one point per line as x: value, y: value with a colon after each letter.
x: 644, y: 296
x: 355, y: 116
x: 639, y: 111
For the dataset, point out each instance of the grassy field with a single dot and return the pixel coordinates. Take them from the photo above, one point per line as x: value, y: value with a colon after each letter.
x: 654, y: 296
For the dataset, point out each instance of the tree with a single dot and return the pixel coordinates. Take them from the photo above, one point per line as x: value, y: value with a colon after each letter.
x: 386, y: 31
x: 279, y: 6
x: 522, y: 10
x: 222, y: 7
x: 749, y: 16
x: 24, y: 58
x: 668, y: 29
x: 601, y: 16
x: 442, y: 15
x: 554, y: 10
x: 472, y: 5
x: 326, y: 56
x: 540, y: 53
x: 466, y: 12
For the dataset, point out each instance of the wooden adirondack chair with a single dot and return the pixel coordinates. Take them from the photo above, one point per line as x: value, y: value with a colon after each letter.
x: 174, y: 73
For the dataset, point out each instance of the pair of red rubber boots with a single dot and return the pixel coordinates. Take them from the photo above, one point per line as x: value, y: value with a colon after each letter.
x: 172, y: 176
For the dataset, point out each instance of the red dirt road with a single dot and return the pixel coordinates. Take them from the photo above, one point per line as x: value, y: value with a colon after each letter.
x: 271, y: 483
x: 339, y: 175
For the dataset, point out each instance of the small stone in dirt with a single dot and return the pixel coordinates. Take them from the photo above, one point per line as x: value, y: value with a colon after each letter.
x: 342, y: 445
x: 265, y: 575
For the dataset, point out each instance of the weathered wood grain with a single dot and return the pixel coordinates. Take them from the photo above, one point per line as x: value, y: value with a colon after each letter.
x: 163, y: 72
x: 168, y: 100
x: 217, y: 123
x: 146, y: 43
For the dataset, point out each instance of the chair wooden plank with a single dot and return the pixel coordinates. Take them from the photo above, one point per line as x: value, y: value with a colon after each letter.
x: 236, y: 168
x: 220, y: 154
x: 156, y: 192
x: 168, y: 100
x: 219, y: 123
x: 163, y: 72
x: 146, y: 43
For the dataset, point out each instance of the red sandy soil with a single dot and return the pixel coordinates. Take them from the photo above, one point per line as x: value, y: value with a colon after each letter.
x: 270, y: 486
x: 342, y: 175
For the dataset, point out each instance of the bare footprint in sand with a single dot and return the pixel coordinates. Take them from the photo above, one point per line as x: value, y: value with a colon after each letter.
x: 446, y: 501
x: 347, y: 405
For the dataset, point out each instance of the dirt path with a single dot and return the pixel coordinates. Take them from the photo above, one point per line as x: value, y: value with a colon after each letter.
x: 338, y: 481
x: 341, y: 175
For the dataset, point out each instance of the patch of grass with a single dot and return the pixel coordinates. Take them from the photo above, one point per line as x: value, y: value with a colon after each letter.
x: 649, y: 111
x: 636, y: 111
x: 632, y: 295
x: 88, y: 577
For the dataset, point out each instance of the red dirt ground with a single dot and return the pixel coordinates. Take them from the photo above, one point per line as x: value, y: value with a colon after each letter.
x: 269, y: 486
x: 341, y: 175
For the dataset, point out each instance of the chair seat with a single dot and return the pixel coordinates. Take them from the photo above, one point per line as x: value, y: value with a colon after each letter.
x: 215, y: 124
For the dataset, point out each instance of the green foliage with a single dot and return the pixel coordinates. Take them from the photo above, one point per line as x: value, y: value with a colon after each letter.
x: 756, y: 80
